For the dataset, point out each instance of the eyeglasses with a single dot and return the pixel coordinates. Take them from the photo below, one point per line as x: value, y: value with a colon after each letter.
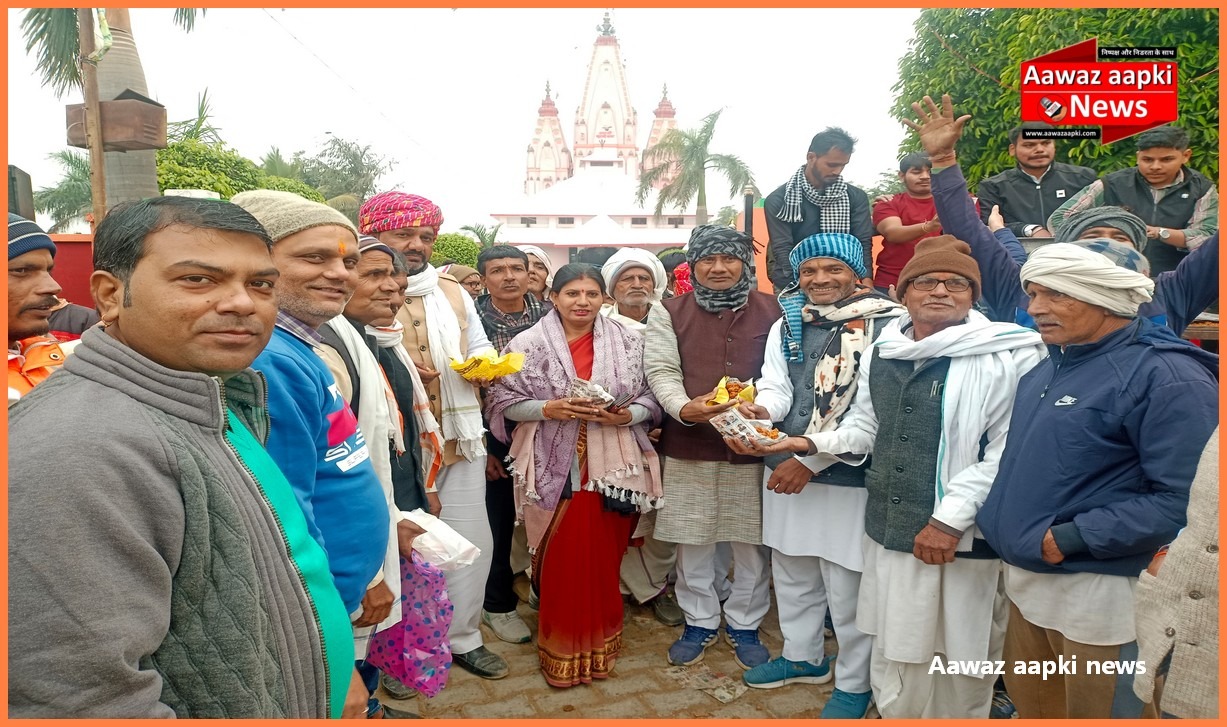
x: 953, y: 285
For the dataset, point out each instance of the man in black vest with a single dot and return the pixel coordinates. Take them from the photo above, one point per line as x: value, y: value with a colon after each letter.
x: 715, y: 495
x: 1178, y: 204
x: 817, y: 199
x: 932, y: 405
x: 1038, y: 184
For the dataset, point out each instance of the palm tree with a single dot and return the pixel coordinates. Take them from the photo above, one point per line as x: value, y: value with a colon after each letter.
x: 52, y: 35
x: 198, y: 128
x: 70, y: 199
x: 486, y: 236
x: 275, y: 165
x: 684, y: 156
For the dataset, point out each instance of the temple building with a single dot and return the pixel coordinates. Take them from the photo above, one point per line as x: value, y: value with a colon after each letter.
x: 583, y: 194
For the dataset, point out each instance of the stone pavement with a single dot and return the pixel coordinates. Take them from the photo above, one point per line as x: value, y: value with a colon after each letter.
x: 638, y: 688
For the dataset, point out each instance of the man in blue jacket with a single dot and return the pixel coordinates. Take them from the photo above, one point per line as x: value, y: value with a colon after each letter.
x: 1104, y: 439
x: 1179, y: 295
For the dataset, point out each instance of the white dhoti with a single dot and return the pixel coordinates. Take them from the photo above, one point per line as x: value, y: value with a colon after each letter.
x: 815, y: 536
x: 462, y: 492
x: 957, y: 611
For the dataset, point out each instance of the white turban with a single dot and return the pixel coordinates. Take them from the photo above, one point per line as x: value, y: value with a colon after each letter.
x: 634, y: 257
x: 545, y: 260
x: 1089, y: 277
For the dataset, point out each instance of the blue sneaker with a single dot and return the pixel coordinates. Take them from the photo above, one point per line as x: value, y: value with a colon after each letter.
x: 748, y: 651
x: 781, y: 672
x: 689, y: 649
x: 846, y: 705
x: 1003, y: 706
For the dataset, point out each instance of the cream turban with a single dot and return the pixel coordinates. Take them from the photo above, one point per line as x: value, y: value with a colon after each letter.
x: 634, y: 257
x: 544, y: 258
x: 1089, y: 277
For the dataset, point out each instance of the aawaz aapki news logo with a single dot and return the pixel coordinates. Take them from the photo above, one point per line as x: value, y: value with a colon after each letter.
x: 1073, y: 87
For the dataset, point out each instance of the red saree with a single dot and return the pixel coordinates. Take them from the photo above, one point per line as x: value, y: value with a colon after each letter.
x: 579, y: 630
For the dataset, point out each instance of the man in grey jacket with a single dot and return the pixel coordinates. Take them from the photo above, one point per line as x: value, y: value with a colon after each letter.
x: 162, y: 567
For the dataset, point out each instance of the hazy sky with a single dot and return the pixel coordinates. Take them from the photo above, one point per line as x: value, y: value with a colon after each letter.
x: 452, y: 95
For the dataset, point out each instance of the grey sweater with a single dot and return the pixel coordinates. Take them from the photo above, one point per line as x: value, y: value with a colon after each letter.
x: 147, y: 575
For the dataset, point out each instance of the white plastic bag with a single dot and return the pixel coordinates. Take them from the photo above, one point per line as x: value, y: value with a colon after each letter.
x: 441, y: 545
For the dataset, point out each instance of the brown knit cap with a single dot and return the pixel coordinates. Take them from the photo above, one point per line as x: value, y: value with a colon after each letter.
x: 941, y: 254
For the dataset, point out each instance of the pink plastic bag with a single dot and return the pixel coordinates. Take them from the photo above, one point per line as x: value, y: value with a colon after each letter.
x: 416, y: 651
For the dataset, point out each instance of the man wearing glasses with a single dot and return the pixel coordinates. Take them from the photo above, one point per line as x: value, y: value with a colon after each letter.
x: 933, y: 401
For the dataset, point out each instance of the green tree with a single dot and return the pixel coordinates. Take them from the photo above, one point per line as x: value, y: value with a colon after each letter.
x: 284, y: 184
x: 974, y: 54
x: 461, y: 248
x: 486, y: 236
x: 342, y: 167
x: 685, y: 156
x: 70, y: 198
x: 727, y: 216
x: 275, y: 165
x: 51, y: 35
x: 888, y: 184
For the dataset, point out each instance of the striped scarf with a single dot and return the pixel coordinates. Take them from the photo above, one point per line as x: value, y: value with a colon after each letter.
x: 832, y: 200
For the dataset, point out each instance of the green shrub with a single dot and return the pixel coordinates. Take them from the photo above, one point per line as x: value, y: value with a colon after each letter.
x: 455, y: 246
x: 283, y: 184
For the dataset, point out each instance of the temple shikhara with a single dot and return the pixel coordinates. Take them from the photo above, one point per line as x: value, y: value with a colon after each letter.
x: 582, y: 194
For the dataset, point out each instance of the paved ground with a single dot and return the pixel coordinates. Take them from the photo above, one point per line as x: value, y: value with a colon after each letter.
x: 639, y: 686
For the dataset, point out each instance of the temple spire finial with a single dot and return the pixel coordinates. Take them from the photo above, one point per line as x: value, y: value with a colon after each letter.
x: 664, y: 91
x: 547, y: 88
x: 605, y: 28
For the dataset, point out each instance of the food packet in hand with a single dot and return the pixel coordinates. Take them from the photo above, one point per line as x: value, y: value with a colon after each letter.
x: 732, y: 424
x: 489, y: 365
x: 733, y: 388
x: 582, y: 389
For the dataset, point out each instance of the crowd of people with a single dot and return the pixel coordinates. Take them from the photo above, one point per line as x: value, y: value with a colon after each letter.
x: 977, y: 465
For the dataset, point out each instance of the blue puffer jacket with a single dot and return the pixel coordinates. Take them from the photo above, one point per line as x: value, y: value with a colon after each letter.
x: 1104, y: 440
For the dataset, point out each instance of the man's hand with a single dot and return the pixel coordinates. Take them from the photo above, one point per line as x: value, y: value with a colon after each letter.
x: 426, y: 373
x: 654, y: 436
x: 1049, y: 550
x: 867, y: 282
x: 481, y: 383
x: 356, y: 698
x: 938, y: 129
x: 995, y: 220
x: 892, y: 293
x: 697, y: 409
x: 934, y: 547
x: 406, y: 531
x: 433, y: 503
x: 1156, y: 563
x: 750, y: 410
x: 494, y: 468
x: 756, y: 449
x: 881, y: 198
x: 790, y: 477
x: 376, y: 604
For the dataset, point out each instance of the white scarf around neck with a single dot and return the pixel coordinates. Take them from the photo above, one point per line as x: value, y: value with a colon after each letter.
x: 460, y: 406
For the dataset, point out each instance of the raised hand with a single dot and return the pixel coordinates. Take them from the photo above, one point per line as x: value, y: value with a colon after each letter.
x: 939, y: 130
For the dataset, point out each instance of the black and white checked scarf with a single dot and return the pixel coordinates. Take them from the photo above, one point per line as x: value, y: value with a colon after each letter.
x: 832, y: 200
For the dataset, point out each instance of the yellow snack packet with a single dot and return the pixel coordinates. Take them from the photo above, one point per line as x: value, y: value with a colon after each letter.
x: 747, y: 394
x: 489, y: 365
x: 722, y: 393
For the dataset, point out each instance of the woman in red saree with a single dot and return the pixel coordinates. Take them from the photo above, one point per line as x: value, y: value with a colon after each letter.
x: 582, y: 472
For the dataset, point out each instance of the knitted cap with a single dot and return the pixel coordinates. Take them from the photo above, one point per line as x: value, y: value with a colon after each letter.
x: 1107, y: 216
x: 367, y: 243
x: 396, y: 210
x: 941, y: 254
x: 285, y: 213
x: 836, y: 245
x: 25, y: 236
x: 459, y: 272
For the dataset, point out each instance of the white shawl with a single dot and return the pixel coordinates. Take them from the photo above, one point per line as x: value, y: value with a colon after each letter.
x: 374, y: 420
x: 461, y: 408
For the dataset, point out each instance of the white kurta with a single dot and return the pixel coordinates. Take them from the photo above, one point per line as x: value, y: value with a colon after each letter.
x: 826, y: 521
